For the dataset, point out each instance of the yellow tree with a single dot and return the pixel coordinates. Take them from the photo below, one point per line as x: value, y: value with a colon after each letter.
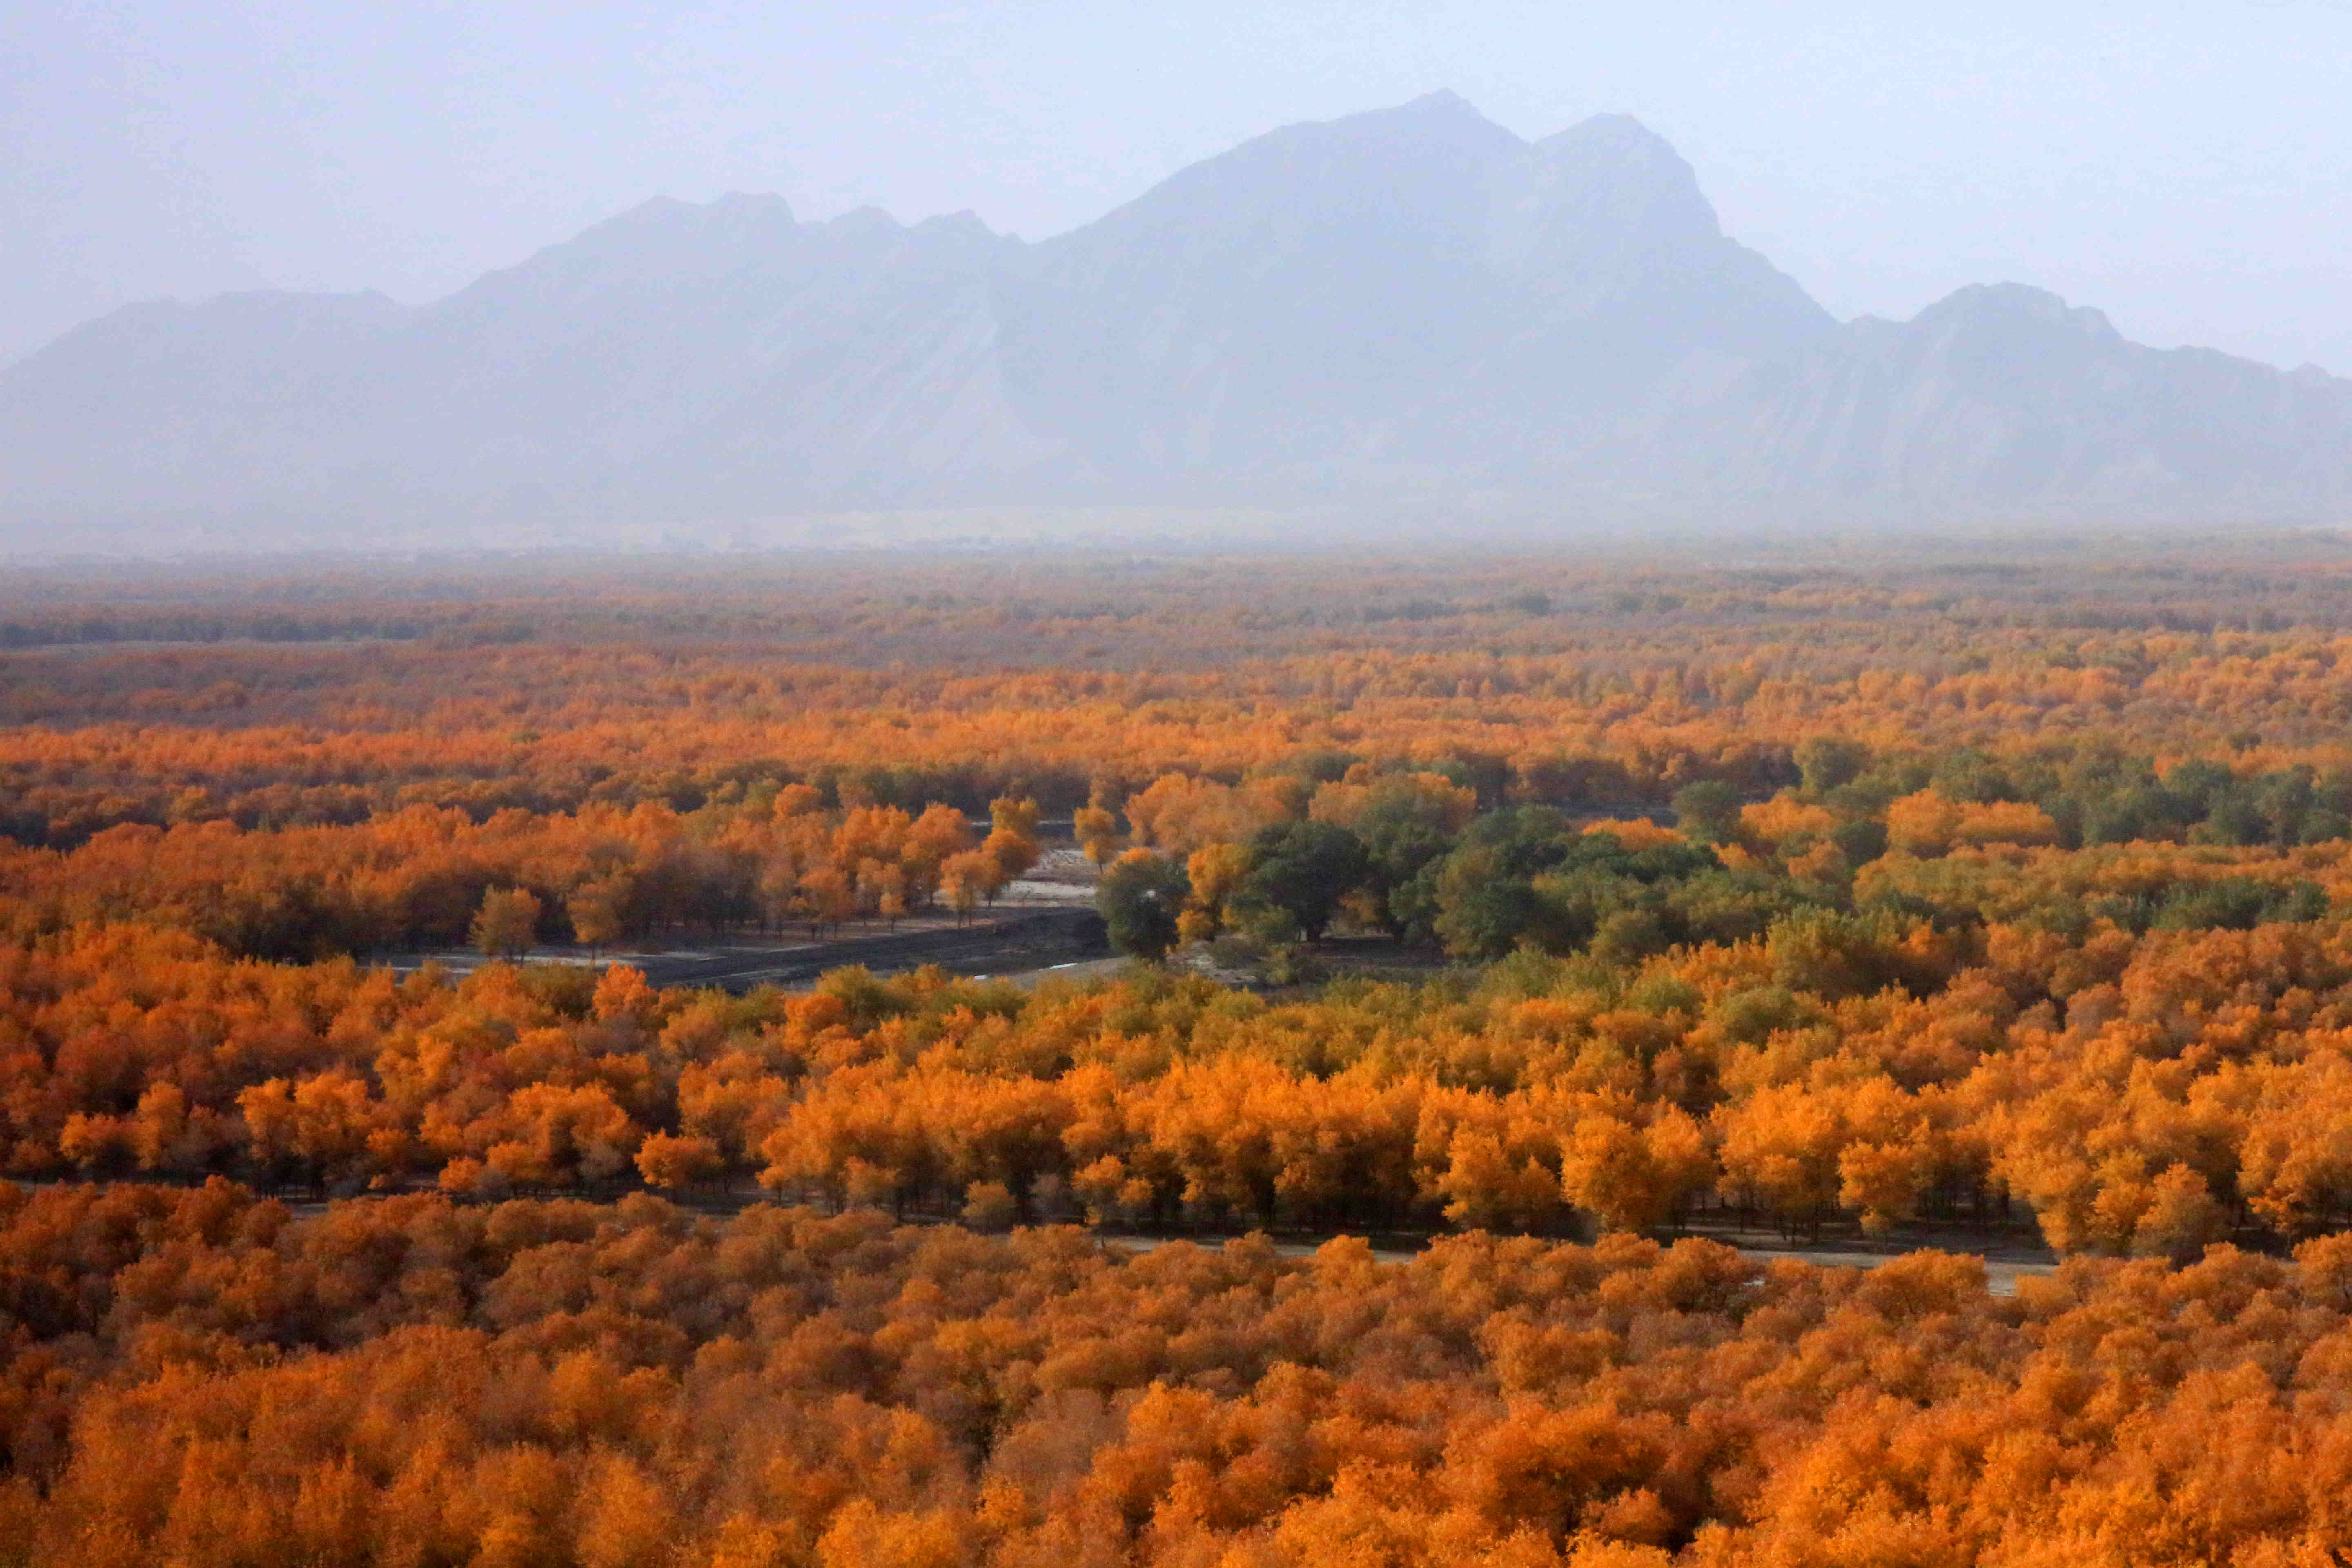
x: 965, y: 879
x: 1012, y: 841
x: 1214, y: 872
x: 1630, y: 1175
x: 506, y: 924
x: 1097, y: 827
x: 669, y: 1160
x: 594, y: 911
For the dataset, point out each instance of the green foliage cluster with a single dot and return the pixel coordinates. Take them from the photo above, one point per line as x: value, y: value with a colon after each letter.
x: 1529, y: 875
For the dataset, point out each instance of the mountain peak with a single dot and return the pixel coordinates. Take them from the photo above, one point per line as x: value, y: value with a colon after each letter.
x: 1446, y: 113
x: 1443, y: 117
x: 1426, y: 156
x: 1413, y: 296
x: 1620, y: 132
x: 1620, y: 151
x: 1445, y: 100
x: 864, y: 220
x: 1980, y: 304
x: 1607, y: 187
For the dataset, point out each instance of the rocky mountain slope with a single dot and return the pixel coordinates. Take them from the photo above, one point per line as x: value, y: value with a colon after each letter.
x: 1410, y: 304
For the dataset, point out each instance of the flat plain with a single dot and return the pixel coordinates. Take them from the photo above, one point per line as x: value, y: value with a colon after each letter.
x: 1122, y: 1056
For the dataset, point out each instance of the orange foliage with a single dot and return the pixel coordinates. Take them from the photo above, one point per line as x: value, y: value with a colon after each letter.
x: 2020, y: 913
x: 199, y: 1377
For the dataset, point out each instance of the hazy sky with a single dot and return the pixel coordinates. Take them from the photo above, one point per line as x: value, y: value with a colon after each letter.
x: 2186, y: 167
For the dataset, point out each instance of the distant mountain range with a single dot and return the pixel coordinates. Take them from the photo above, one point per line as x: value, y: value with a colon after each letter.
x: 1407, y: 307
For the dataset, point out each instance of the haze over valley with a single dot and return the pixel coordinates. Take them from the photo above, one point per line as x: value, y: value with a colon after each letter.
x: 1408, y: 312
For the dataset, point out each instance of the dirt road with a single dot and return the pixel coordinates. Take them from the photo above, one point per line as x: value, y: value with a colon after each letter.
x: 1019, y: 942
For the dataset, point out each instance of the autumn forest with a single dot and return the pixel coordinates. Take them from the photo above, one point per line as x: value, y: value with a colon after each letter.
x: 1563, y: 1036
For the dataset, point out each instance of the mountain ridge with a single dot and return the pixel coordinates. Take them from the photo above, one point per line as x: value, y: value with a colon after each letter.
x: 1408, y: 305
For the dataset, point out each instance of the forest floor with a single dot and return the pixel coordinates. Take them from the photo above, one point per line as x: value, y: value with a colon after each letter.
x: 1043, y: 924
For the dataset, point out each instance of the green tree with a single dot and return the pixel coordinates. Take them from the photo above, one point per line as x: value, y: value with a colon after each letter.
x: 1141, y: 897
x: 1827, y: 762
x: 1627, y: 936
x: 1402, y: 831
x: 1482, y: 909
x: 1298, y: 873
x: 1708, y: 812
x: 1484, y: 890
x: 1861, y: 839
